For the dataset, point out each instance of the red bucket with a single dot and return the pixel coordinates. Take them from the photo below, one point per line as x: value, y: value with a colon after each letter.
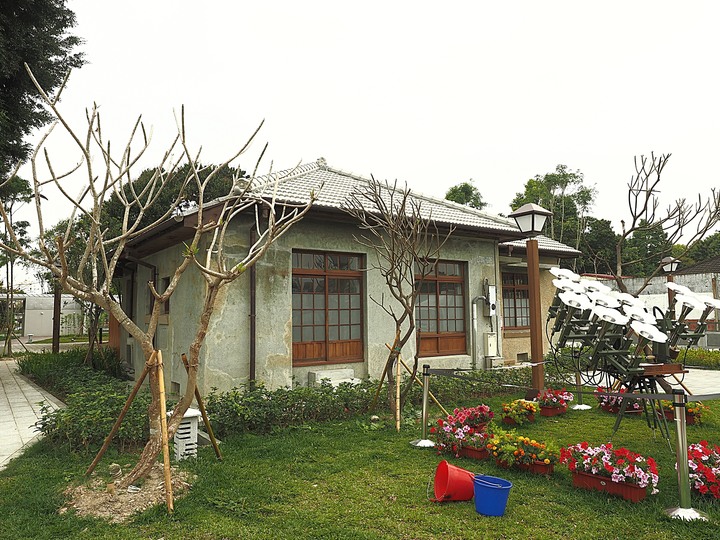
x: 453, y: 483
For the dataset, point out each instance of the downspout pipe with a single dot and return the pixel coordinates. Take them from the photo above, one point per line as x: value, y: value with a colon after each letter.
x: 475, y: 302
x: 253, y: 318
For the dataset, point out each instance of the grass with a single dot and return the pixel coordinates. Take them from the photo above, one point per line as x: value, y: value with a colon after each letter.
x: 356, y: 480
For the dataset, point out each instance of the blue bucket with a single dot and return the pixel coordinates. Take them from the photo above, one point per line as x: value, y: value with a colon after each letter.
x: 491, y: 495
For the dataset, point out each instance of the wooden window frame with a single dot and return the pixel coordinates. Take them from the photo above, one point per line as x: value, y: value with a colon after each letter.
x: 515, y: 286
x: 327, y: 350
x: 439, y: 342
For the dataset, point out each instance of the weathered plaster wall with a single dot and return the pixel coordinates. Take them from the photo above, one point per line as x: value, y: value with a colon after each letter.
x: 225, y: 354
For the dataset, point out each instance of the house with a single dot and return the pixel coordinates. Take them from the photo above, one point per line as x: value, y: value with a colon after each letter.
x: 315, y: 293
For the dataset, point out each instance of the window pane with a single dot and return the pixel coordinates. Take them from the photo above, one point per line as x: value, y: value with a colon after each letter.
x: 319, y: 317
x: 443, y: 326
x: 355, y: 332
x: 333, y: 317
x: 307, y: 261
x: 332, y: 301
x: 307, y: 317
x: 319, y: 261
x: 295, y: 300
x: 432, y: 325
x: 307, y: 333
x: 344, y: 301
x: 319, y: 333
x: 333, y: 333
x: 307, y: 301
x: 332, y: 285
x: 319, y: 301
x: 296, y: 257
x: 344, y: 317
x: 355, y: 316
x: 296, y: 287
x: 296, y: 334
x: 333, y: 262
x: 355, y: 301
x: 319, y: 285
x: 459, y: 326
x: 344, y: 332
x: 296, y: 317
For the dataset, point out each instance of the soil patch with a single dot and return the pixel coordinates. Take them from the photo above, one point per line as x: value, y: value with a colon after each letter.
x: 103, y: 499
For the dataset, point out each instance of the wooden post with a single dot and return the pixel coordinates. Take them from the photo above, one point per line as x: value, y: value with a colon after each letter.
x: 120, y: 418
x: 164, y: 431
x: 536, y: 344
x: 201, y: 406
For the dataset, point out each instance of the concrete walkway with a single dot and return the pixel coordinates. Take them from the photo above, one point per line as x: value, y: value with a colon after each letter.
x: 19, y: 410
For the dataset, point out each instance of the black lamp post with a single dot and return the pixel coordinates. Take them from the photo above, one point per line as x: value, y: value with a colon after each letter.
x: 530, y: 219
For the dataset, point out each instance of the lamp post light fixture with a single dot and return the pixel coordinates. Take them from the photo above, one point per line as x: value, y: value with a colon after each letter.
x: 530, y: 219
x: 669, y: 266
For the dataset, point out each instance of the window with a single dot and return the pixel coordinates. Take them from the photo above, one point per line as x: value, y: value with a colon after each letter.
x: 440, y: 310
x: 516, y: 301
x: 327, y: 307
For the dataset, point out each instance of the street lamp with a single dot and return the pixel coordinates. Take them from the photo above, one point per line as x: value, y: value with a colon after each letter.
x: 669, y: 266
x: 530, y: 219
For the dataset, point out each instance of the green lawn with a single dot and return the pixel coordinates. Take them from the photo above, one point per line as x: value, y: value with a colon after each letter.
x: 347, y: 481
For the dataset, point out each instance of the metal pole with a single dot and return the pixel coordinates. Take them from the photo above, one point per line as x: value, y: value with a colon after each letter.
x: 424, y: 442
x: 685, y: 510
x: 536, y: 344
x: 57, y: 298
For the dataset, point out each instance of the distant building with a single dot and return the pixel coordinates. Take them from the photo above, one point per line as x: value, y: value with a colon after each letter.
x: 34, y: 314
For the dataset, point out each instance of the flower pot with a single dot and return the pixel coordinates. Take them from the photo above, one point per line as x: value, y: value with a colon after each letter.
x: 552, y: 411
x: 474, y: 453
x: 539, y: 467
x: 690, y: 419
x: 502, y: 464
x: 509, y: 421
x: 629, y: 492
x: 615, y: 409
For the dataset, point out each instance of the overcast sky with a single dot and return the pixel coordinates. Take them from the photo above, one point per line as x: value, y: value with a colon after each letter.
x: 431, y: 94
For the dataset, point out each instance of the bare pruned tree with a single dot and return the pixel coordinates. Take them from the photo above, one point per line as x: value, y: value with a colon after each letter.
x: 684, y: 220
x: 407, y: 245
x: 104, y: 246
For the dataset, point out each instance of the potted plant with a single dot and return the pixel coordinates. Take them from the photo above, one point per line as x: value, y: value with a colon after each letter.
x: 503, y: 447
x: 694, y: 411
x: 519, y: 411
x: 554, y: 402
x: 516, y: 451
x: 465, y: 427
x: 612, y: 404
x: 617, y: 471
x: 704, y: 464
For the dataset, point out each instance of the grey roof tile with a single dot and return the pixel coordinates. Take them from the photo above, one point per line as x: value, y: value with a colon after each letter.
x: 334, y: 188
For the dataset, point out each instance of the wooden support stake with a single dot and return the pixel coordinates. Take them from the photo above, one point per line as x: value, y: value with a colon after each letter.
x: 164, y: 431
x: 120, y: 418
x: 397, y: 393
x: 201, y: 406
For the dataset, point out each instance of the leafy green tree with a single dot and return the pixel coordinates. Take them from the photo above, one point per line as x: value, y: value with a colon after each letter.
x: 647, y: 239
x: 563, y: 193
x: 597, y: 244
x: 176, y: 188
x: 466, y: 193
x: 706, y: 248
x: 13, y: 191
x: 32, y: 32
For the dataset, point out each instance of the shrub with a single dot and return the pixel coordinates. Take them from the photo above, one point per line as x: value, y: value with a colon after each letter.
x: 701, y: 357
x: 93, y: 399
x: 259, y: 410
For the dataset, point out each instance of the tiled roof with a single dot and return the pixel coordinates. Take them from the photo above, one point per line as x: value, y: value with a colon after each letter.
x: 547, y: 245
x: 708, y: 266
x: 334, y: 188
